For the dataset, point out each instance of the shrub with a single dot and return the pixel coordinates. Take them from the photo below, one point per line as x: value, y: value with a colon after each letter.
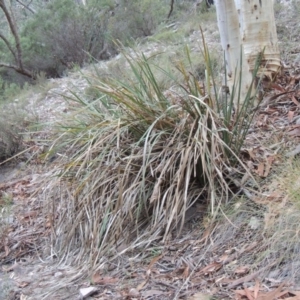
x: 15, y: 118
x: 11, y: 129
x: 65, y: 33
x: 136, y: 18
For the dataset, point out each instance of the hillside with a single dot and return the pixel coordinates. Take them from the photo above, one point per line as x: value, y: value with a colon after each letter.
x: 75, y: 150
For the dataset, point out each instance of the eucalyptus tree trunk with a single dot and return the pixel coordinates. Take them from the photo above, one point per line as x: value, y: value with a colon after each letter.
x: 247, y: 29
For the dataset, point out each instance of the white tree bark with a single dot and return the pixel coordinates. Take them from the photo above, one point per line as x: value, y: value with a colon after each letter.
x: 247, y: 29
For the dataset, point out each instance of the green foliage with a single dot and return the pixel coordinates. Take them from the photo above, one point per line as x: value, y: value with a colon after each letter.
x: 137, y: 18
x: 65, y: 33
x: 166, y: 35
x: 62, y: 32
x: 6, y: 200
x: 8, y: 90
x: 59, y: 36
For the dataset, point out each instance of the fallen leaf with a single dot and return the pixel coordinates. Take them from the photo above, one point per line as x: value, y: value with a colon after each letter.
x: 7, y: 250
x: 23, y: 284
x: 141, y: 285
x: 294, y: 132
x: 223, y: 258
x: 213, y: 267
x: 186, y: 272
x: 30, y: 214
x: 241, y: 270
x: 291, y: 115
x: 260, y: 169
x: 98, y: 279
x: 249, y: 294
x: 275, y: 195
x: 269, y: 161
x: 240, y: 292
x: 277, y: 87
x: 251, y: 153
x: 154, y: 261
x: 256, y: 289
x: 23, y: 297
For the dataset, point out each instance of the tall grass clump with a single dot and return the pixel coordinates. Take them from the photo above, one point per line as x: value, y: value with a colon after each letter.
x: 133, y: 161
x: 15, y: 121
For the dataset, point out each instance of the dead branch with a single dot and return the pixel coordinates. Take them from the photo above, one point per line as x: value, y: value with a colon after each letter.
x: 22, y: 71
x: 26, y: 6
x: 19, y: 67
x: 171, y: 9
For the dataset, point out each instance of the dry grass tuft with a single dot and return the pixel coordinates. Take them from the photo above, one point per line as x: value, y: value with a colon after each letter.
x: 14, y: 123
x: 282, y: 223
x: 271, y: 223
x: 134, y: 161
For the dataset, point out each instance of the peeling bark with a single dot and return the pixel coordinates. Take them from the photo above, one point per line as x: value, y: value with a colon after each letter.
x: 247, y: 29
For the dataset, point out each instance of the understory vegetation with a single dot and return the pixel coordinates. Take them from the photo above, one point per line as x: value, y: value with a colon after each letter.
x: 140, y: 149
x: 51, y: 39
x: 53, y: 36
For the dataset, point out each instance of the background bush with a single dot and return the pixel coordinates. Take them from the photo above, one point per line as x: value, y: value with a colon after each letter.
x: 61, y: 35
x: 57, y: 34
x: 137, y: 18
x: 64, y: 33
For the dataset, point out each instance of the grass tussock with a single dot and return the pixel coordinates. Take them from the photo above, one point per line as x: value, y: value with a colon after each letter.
x: 135, y: 159
x: 14, y: 123
x: 282, y: 226
x: 269, y: 224
x: 271, y: 221
x: 18, y: 119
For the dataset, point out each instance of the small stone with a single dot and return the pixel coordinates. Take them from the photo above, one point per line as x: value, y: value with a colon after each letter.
x: 85, y: 292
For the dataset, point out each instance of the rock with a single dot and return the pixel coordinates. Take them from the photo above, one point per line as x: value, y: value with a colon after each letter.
x: 85, y: 292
